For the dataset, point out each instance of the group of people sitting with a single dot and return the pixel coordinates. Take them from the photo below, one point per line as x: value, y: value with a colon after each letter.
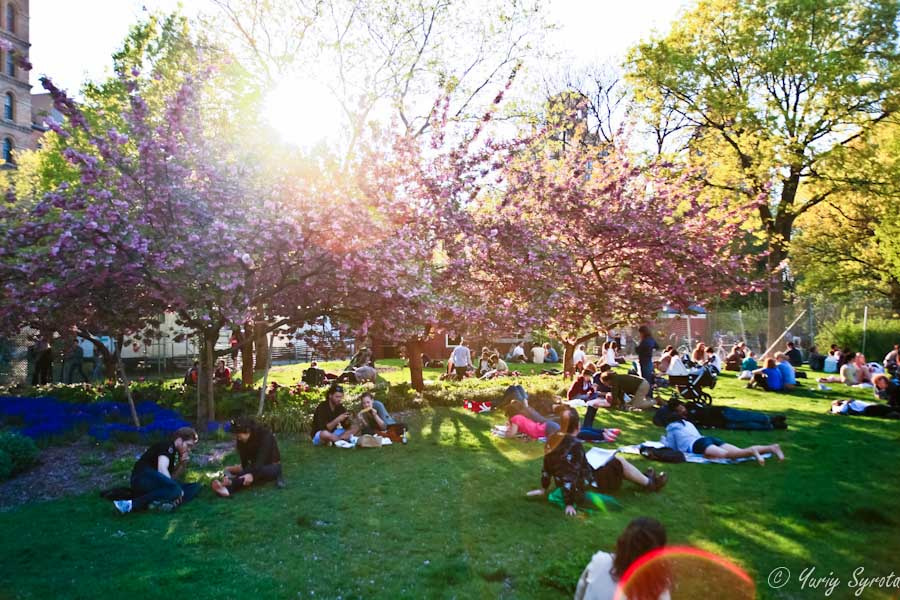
x: 155, y: 476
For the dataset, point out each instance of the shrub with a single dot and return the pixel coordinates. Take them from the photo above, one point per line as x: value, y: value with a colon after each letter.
x: 21, y: 450
x: 847, y: 332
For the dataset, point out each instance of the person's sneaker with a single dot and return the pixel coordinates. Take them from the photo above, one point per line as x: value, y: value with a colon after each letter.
x: 658, y: 481
x: 279, y: 483
x: 123, y: 506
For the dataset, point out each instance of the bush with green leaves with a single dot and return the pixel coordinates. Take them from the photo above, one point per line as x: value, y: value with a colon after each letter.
x: 21, y: 451
x: 847, y: 332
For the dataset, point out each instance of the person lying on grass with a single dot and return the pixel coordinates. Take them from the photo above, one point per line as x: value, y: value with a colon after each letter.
x: 682, y: 435
x: 526, y: 420
x: 153, y: 478
x: 601, y: 578
x: 566, y: 465
x: 331, y: 421
x: 260, y: 459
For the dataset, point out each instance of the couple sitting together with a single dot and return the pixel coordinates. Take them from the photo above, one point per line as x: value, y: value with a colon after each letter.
x: 333, y: 423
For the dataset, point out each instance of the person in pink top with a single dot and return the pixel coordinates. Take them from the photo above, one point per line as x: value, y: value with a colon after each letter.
x: 518, y: 423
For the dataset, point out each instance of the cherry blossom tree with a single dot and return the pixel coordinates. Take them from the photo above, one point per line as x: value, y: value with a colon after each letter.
x: 607, y: 241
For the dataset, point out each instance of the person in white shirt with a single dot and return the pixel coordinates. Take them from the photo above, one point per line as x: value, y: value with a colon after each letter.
x: 601, y: 577
x: 578, y: 356
x: 461, y: 359
x: 518, y: 353
x: 537, y: 354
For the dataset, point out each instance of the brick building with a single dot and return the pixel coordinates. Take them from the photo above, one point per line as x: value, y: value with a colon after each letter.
x: 15, y: 91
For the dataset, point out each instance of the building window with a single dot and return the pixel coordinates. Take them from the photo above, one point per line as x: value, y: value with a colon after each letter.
x: 11, y: 17
x: 8, y: 150
x: 10, y: 64
x: 8, y: 106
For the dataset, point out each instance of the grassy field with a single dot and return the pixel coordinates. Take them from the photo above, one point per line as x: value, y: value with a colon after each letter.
x: 446, y: 517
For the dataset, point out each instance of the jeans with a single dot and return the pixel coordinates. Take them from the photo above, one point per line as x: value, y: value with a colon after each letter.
x: 70, y: 369
x: 383, y: 413
x: 746, y: 419
x: 263, y: 474
x: 149, y: 485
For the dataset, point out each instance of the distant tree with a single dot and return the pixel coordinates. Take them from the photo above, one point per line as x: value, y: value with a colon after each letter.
x: 771, y: 89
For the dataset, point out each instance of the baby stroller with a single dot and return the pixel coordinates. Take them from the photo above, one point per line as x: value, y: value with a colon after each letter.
x: 690, y: 387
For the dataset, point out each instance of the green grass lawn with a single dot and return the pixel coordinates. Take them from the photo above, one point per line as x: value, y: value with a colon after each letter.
x: 446, y: 517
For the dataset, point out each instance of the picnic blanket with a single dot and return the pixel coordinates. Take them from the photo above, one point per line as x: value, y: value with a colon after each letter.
x: 500, y: 431
x: 351, y: 443
x: 690, y: 456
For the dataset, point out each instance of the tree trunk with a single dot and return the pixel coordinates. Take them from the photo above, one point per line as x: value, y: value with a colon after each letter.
x: 895, y: 295
x: 776, y: 292
x: 206, y: 406
x: 568, y: 364
x: 262, y: 390
x: 262, y: 357
x: 125, y: 381
x: 416, y: 376
x: 247, y: 356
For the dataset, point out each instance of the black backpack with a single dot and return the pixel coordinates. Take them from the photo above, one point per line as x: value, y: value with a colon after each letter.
x: 668, y: 455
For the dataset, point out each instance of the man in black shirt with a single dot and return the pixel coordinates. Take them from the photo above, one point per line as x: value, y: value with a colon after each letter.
x: 793, y: 355
x: 153, y: 478
x: 260, y: 459
x: 331, y: 422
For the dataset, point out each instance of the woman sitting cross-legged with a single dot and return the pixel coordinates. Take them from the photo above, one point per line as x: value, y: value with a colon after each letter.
x: 566, y: 465
x: 682, y: 435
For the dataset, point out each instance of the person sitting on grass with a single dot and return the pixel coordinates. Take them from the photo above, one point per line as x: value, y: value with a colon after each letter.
x: 154, y: 476
x: 682, y: 435
x: 518, y: 353
x: 520, y: 420
x: 662, y: 365
x: 767, y: 378
x: 794, y: 355
x: 788, y: 375
x: 331, y: 421
x: 863, y: 372
x: 816, y: 360
x: 699, y: 355
x: 260, y: 459
x: 714, y: 360
x: 636, y: 387
x: 578, y: 358
x: 583, y: 387
x: 373, y: 417
x: 222, y: 374
x: 749, y: 363
x: 566, y: 465
x: 848, y: 375
x: 887, y: 389
x: 601, y: 577
x: 496, y: 367
x: 552, y: 355
x: 891, y: 359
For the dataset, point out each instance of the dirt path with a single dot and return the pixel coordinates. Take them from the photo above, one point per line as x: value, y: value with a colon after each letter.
x: 87, y: 467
